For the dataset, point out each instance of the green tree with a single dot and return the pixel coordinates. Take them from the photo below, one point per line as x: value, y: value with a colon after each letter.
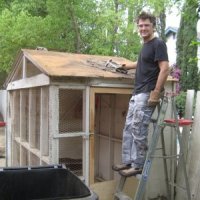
x: 186, y: 51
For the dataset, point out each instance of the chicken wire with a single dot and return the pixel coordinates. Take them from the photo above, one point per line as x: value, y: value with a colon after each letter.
x: 71, y: 121
x: 70, y: 110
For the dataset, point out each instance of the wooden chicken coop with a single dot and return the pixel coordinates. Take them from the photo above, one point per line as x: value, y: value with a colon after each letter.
x: 67, y: 108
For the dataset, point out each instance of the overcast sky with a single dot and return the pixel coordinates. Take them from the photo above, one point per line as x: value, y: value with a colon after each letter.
x: 173, y: 19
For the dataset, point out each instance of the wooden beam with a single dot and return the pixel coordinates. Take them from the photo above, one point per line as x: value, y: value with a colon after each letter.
x: 111, y: 90
x: 111, y: 133
x: 35, y: 81
x: 24, y: 67
x: 86, y: 141
x: 44, y: 131
x: 91, y: 130
x: 53, y: 124
x: 23, y: 114
x: 32, y: 117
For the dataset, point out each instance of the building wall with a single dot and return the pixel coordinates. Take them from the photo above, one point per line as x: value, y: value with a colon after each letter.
x: 171, y: 48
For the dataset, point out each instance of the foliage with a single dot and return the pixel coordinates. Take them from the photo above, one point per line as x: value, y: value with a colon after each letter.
x: 186, y: 51
x: 19, y: 31
x: 180, y: 103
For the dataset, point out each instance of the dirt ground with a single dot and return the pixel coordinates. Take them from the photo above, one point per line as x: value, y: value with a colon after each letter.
x: 2, y: 147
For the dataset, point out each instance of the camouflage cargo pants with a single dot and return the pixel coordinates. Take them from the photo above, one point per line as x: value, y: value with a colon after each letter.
x: 135, y: 131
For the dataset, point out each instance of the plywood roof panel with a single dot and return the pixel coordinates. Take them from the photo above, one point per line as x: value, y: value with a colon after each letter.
x: 76, y: 65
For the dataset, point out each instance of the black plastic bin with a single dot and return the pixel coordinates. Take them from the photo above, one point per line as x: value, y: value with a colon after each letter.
x: 49, y: 182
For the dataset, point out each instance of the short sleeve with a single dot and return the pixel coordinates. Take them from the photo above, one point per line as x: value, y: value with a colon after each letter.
x: 161, y: 51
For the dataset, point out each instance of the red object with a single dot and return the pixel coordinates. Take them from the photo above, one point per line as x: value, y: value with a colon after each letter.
x: 181, y: 122
x: 2, y: 124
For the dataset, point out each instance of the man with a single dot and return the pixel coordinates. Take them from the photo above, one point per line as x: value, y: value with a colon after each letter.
x: 152, y: 70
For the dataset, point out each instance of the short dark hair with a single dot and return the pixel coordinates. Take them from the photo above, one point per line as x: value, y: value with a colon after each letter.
x: 146, y: 15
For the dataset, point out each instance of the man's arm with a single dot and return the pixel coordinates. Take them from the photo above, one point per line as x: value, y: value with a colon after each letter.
x: 129, y: 65
x: 162, y: 77
x: 155, y: 95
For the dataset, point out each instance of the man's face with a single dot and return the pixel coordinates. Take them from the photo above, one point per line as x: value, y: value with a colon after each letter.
x: 146, y: 29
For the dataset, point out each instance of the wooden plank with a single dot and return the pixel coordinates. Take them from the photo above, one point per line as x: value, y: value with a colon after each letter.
x: 35, y: 81
x: 91, y: 137
x: 9, y: 118
x: 44, y: 131
x: 23, y: 115
x: 112, y: 128
x: 15, y: 123
x: 24, y: 67
x: 23, y: 123
x: 111, y: 90
x: 77, y: 65
x: 53, y: 124
x: 16, y: 153
x: 86, y: 141
x: 15, y: 110
x: 32, y: 117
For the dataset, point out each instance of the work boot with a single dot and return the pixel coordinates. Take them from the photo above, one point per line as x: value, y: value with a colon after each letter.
x: 130, y: 172
x: 121, y: 167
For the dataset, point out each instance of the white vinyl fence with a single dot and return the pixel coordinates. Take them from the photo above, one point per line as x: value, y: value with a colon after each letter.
x: 191, y: 139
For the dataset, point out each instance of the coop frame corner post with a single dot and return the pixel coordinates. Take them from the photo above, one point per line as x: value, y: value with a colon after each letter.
x: 53, y: 124
x: 91, y: 135
x: 86, y: 137
x: 8, y: 132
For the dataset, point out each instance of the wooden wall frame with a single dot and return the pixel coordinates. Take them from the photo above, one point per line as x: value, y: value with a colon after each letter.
x: 93, y: 91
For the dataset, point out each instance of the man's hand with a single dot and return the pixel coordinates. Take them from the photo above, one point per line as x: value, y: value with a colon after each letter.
x: 128, y: 66
x: 122, y: 69
x: 154, y: 98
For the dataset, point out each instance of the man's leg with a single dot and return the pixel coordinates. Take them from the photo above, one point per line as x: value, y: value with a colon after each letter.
x: 137, y: 134
x: 127, y: 139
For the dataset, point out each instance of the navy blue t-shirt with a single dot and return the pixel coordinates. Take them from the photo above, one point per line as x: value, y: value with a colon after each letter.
x: 147, y: 70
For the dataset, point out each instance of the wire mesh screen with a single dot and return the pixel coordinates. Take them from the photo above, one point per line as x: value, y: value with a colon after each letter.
x: 70, y: 110
x: 70, y: 121
x: 70, y: 153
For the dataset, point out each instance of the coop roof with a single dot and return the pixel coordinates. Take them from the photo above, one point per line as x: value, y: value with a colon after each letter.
x: 61, y: 64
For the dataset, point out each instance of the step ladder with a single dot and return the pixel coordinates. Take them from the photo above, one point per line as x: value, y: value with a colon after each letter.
x: 159, y: 126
